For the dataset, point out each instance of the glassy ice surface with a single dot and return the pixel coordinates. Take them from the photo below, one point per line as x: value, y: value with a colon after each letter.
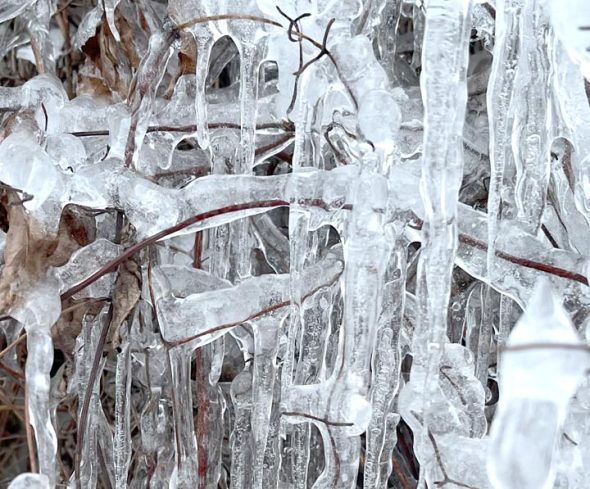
x: 328, y: 244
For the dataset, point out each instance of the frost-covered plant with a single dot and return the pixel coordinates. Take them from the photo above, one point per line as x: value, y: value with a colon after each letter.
x: 294, y: 243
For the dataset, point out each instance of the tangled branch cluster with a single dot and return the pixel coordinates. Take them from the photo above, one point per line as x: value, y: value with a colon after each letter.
x: 294, y: 243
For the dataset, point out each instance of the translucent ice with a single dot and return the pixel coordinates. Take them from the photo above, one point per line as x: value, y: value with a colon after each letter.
x: 542, y: 366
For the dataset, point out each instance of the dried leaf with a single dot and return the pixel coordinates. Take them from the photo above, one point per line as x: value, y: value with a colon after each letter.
x: 25, y: 255
x: 67, y: 329
x: 125, y: 296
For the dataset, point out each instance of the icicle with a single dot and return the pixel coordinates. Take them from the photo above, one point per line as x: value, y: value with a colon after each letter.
x: 385, y: 369
x: 251, y: 56
x: 295, y: 438
x: 186, y: 465
x: 30, y: 481
x: 143, y: 91
x: 210, y: 415
x: 531, y: 136
x: 11, y: 8
x: 156, y: 419
x: 266, y: 335
x: 444, y: 91
x: 122, y: 439
x: 242, y: 442
x: 418, y: 18
x: 205, y: 42
x: 39, y: 314
x: 38, y: 23
x: 500, y: 111
x: 89, y: 458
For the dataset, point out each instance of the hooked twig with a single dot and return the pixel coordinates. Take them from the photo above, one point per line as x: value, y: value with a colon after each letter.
x: 25, y: 198
x: 340, y: 156
x: 321, y: 46
x: 294, y: 24
x: 323, y: 49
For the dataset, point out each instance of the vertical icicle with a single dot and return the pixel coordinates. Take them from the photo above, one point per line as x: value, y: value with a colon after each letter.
x: 500, y: 111
x: 38, y: 20
x: 210, y: 413
x: 87, y: 342
x: 532, y: 137
x: 419, y: 27
x: 385, y: 369
x: 157, y: 432
x: 266, y: 335
x: 205, y: 42
x: 38, y: 314
x: 500, y: 108
x: 186, y: 473
x: 299, y: 253
x: 242, y: 443
x: 366, y: 251
x: 144, y: 87
x: 109, y: 9
x: 122, y: 439
x: 443, y: 84
x: 39, y: 361
x: 295, y: 464
x: 251, y: 55
x: 444, y: 93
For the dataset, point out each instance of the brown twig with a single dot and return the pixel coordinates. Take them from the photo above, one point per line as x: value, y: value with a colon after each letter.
x: 15, y: 343
x: 37, y: 54
x: 545, y: 346
x: 29, y: 432
x: 325, y: 421
x: 525, y: 262
x: 83, y: 419
x: 215, y: 18
x: 294, y: 24
x: 13, y: 373
x: 198, y: 250
x: 191, y: 128
x: 446, y: 479
x: 399, y: 472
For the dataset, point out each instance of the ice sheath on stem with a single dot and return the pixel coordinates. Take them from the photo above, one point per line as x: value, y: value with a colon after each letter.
x: 544, y: 361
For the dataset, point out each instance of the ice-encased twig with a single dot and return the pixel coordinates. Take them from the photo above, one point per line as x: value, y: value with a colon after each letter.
x: 544, y: 361
x: 200, y: 318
